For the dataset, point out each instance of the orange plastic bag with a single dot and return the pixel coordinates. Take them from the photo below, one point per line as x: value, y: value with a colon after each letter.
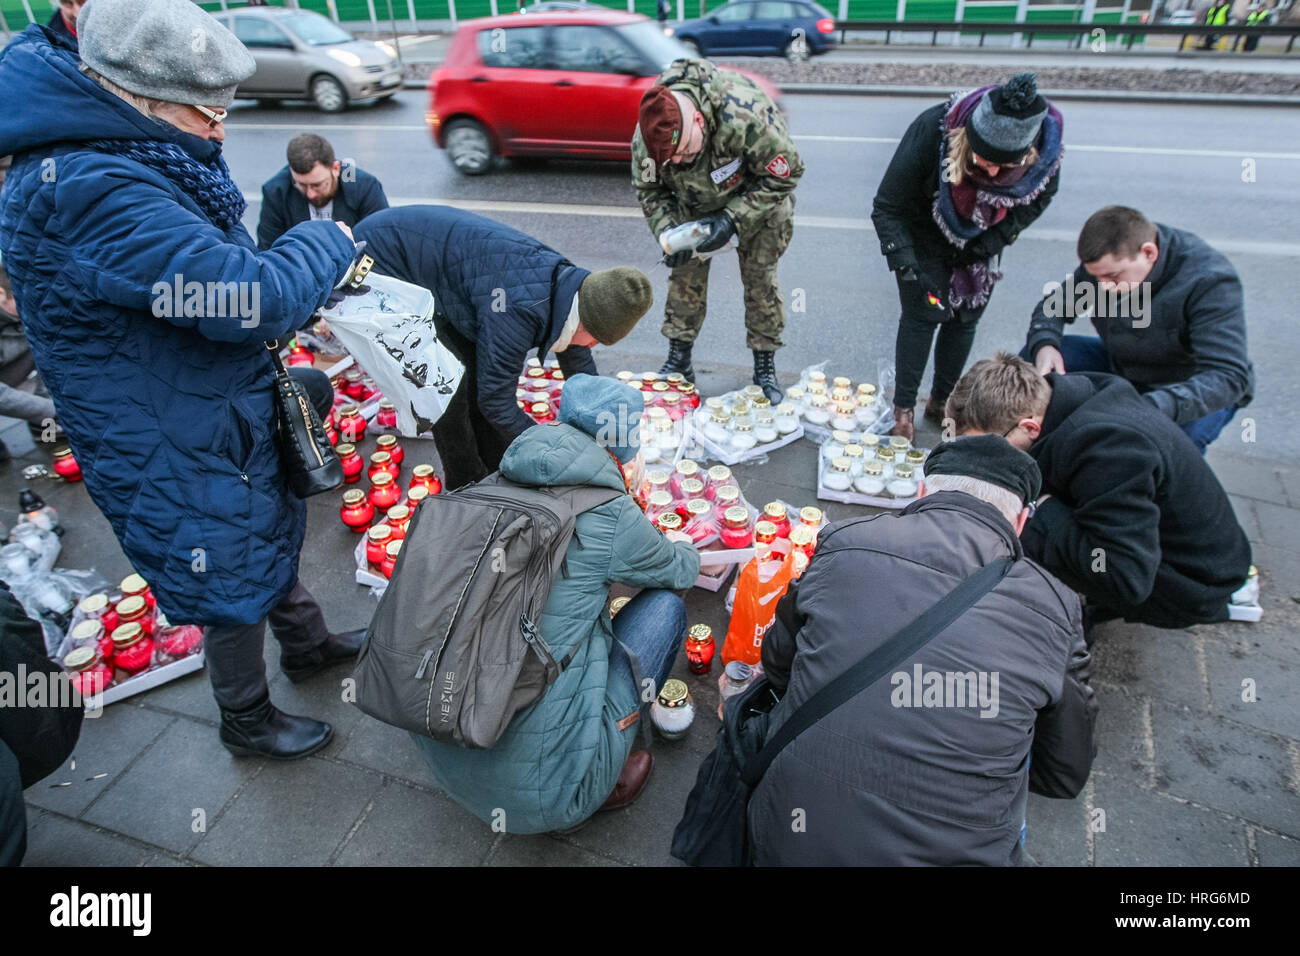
x: 754, y: 611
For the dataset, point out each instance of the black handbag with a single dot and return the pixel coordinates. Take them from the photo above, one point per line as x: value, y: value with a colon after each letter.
x: 714, y: 830
x: 310, y: 464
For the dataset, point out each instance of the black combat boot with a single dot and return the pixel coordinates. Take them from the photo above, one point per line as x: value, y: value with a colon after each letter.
x: 679, y: 360
x: 765, y: 376
x: 263, y: 730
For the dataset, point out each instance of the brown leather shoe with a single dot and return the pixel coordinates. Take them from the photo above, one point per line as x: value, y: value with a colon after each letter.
x: 904, y: 423
x: 631, y: 781
x: 934, y: 410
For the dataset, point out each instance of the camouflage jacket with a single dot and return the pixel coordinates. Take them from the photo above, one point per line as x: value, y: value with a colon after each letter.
x: 748, y: 165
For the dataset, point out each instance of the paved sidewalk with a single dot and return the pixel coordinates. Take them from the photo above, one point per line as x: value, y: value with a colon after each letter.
x: 1187, y: 774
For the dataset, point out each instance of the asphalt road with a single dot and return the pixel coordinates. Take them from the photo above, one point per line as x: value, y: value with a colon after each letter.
x: 1181, y: 165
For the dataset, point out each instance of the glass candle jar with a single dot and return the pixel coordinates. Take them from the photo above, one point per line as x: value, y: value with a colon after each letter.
x: 91, y: 633
x: 132, y: 649
x: 182, y: 640
x: 803, y: 540
x: 692, y: 489
x: 817, y: 376
x: 728, y: 496
x: 764, y: 532
x: 377, y: 540
x: 352, y: 384
x: 765, y: 429
x: 134, y: 610
x: 869, y: 442
x: 357, y: 511
x: 351, y: 461
x: 700, y: 522
x: 666, y: 433
x: 811, y: 517
x: 423, y: 475
x: 625, y: 377
x: 541, y: 413
x: 390, y: 444
x: 398, y: 517
x: 775, y: 513
x: 837, y: 477
x: 648, y: 380
x: 656, y: 479
x: 899, y: 443
x: 841, y: 393
x: 557, y: 386
x: 675, y: 380
x: 658, y: 503
x: 690, y: 396
x: 617, y: 605
x: 885, y: 455
x: 713, y: 404
x: 381, y: 463
x: 735, y: 678
x: 742, y: 437
x: 673, y: 405
x: 93, y: 607
x: 415, y: 495
x: 871, y: 481
x: 685, y: 469
x: 903, y: 484
x: 916, y: 459
x: 718, y: 476
x: 386, y: 416
x: 369, y: 389
x: 65, y: 466
x: 669, y: 521
x: 351, y: 423
x: 384, y: 492
x: 717, y: 428
x: 299, y: 355
x: 330, y: 431
x: 817, y: 412
x: 844, y: 417
x: 866, y: 393
x: 673, y: 711
x: 657, y: 392
x: 855, y: 456
x: 90, y: 673
x: 700, y: 648
x: 133, y: 585
x: 795, y: 396
x: 835, y: 447
x: 391, y: 552
x: 787, y: 419
x: 736, y: 529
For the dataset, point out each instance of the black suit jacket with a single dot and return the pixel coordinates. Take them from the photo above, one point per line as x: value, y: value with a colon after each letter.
x: 283, y: 206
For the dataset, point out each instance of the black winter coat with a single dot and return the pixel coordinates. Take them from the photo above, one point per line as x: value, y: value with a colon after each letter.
x: 902, y: 209
x: 283, y: 206
x: 880, y: 781
x: 1138, y: 522
x: 1189, y: 353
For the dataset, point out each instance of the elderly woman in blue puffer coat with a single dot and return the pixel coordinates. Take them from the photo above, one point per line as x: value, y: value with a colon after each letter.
x: 147, y: 305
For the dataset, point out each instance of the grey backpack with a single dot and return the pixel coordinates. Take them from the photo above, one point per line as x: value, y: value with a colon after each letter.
x: 454, y: 650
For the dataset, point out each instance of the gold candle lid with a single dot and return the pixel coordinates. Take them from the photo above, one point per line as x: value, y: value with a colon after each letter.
x: 915, y: 457
x: 656, y: 476
x: 899, y: 443
x: 344, y: 449
x: 719, y: 474
x: 670, y: 521
x: 727, y: 494
x: 93, y: 603
x: 801, y: 536
x: 816, y: 376
x: 673, y: 694
x: 840, y: 436
x: 686, y: 468
x: 127, y: 635
x: 354, y: 497
x: 785, y: 408
x: 868, y: 440
x: 422, y: 471
x: 774, y: 509
x: 698, y: 506
x: 810, y: 515
x: 841, y: 464
x: 398, y: 513
x: 659, y: 387
x: 417, y: 494
x: 736, y: 514
x: 852, y: 451
x: 379, y: 533
x: 345, y: 411
x: 80, y: 659
x: 676, y: 378
x: 903, y: 471
x: 380, y: 458
x: 85, y: 630
x: 625, y: 376
x: 660, y: 499
x: 385, y: 442
x: 132, y: 583
x: 382, y: 479
x: 692, y: 487
x: 765, y: 528
x: 617, y: 605
x: 388, y: 406
x: 699, y: 632
x: 394, y: 547
x: 885, y: 454
x: 873, y: 468
x: 130, y: 605
x: 539, y: 408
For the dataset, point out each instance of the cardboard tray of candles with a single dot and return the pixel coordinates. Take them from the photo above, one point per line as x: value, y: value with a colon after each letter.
x: 694, y: 436
x: 856, y: 497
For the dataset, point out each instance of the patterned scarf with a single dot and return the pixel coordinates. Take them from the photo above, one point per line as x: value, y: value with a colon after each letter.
x: 208, y: 184
x: 979, y: 201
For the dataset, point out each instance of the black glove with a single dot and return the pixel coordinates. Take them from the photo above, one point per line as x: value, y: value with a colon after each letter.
x: 721, y: 229
x: 678, y: 258
x: 930, y: 290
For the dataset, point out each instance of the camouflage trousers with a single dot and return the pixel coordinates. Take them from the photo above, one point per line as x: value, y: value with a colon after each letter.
x: 688, y: 288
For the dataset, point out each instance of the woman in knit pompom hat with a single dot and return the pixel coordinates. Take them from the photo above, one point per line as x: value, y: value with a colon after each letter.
x: 968, y: 176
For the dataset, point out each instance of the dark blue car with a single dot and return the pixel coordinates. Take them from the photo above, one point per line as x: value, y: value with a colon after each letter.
x: 790, y: 28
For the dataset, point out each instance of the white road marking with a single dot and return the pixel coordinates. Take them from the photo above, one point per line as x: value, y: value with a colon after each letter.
x: 1239, y: 246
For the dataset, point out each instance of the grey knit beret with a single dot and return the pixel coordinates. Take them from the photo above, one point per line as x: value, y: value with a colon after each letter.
x: 165, y: 49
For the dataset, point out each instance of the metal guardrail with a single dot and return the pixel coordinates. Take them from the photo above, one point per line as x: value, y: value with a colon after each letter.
x: 1080, y: 30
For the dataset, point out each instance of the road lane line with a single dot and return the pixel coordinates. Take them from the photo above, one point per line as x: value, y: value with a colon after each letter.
x: 1241, y: 246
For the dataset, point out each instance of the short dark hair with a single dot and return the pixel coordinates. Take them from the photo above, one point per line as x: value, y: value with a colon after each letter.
x: 1114, y: 230
x: 306, y: 150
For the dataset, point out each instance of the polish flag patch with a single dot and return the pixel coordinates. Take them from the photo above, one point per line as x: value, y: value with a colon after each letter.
x: 779, y: 167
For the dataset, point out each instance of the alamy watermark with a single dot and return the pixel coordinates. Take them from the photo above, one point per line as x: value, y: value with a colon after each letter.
x: 198, y: 300
x: 1070, y: 299
x: 958, y: 689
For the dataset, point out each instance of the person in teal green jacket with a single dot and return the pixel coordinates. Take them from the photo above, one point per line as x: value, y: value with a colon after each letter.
x: 571, y: 754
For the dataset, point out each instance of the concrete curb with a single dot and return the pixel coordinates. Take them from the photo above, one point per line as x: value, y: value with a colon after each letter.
x: 940, y: 92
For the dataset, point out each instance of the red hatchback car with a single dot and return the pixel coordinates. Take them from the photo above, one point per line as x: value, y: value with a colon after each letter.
x: 548, y: 84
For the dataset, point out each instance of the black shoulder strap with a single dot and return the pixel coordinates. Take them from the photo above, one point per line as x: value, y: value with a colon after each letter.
x: 879, y: 662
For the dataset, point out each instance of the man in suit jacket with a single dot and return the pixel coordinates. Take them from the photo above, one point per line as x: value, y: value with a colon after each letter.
x: 315, y: 185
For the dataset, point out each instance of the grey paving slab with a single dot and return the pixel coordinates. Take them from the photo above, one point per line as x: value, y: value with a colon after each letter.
x: 1278, y: 525
x: 320, y: 697
x: 175, y: 790
x: 386, y: 749
x: 61, y: 842
x: 410, y: 827
x: 1121, y: 733
x: 107, y: 745
x: 1146, y: 829
x: 1244, y: 510
x: 190, y: 695
x: 1259, y: 689
x: 1276, y: 850
x: 292, y: 814
x: 1151, y: 661
x: 1056, y: 833
x: 1252, y: 478
x: 1226, y: 766
x: 543, y: 851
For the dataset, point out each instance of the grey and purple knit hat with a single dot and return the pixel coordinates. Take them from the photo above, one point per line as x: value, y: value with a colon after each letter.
x: 1006, y: 122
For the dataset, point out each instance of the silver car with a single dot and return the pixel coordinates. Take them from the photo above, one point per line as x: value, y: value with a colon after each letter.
x: 303, y: 55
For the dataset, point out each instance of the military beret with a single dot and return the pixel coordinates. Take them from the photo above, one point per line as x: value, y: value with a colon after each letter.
x: 163, y: 49
x: 990, y: 458
x: 661, y: 123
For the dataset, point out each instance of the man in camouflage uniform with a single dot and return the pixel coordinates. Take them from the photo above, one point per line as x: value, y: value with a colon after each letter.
x: 713, y: 147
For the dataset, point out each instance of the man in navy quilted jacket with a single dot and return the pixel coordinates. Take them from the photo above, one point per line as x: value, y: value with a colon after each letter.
x: 497, y: 295
x: 147, y: 304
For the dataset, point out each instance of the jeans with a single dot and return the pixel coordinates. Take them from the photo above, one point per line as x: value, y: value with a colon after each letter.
x: 653, y: 625
x: 234, y: 654
x: 1085, y: 353
x: 916, y: 328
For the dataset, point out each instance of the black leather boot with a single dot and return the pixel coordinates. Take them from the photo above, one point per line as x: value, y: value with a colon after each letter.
x: 679, y: 359
x: 263, y: 730
x: 337, y: 647
x: 765, y: 376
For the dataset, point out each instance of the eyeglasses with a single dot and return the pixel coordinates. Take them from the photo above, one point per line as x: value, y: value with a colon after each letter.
x: 212, y: 117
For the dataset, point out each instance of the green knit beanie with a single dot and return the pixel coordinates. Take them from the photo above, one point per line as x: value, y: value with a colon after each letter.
x: 612, y: 301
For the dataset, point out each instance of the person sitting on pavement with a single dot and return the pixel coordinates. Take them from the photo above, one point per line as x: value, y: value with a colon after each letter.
x: 969, y: 176
x: 1133, y: 518
x: 570, y: 754
x: 878, y: 783
x: 170, y: 413
x: 498, y: 294
x: 1169, y: 313
x: 315, y: 185
x: 16, y: 367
